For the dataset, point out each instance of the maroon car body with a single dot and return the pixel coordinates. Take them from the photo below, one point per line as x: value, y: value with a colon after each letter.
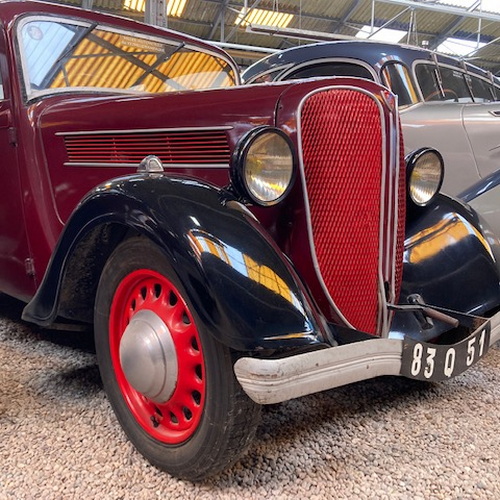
x: 230, y: 245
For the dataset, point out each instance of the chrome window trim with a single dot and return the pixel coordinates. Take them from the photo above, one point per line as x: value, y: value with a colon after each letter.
x: 33, y: 94
x: 414, y: 84
x: 438, y: 64
x: 382, y: 320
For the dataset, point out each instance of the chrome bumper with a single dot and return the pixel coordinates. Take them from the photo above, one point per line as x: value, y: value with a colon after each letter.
x: 269, y: 381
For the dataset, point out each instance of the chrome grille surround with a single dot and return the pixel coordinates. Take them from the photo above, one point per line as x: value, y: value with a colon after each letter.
x: 355, y: 306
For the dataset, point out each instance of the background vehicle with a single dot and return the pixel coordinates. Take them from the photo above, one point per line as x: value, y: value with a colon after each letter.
x: 444, y: 103
x: 225, y: 249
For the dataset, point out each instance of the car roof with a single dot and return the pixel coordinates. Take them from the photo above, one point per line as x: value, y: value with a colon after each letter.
x: 372, y: 53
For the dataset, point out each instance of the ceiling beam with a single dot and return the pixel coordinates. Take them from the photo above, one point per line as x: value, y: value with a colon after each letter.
x: 450, y: 29
x: 351, y: 10
x: 444, y: 9
x: 221, y: 16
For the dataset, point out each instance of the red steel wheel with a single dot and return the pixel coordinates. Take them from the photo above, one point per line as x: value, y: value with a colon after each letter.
x: 170, y: 382
x: 174, y: 417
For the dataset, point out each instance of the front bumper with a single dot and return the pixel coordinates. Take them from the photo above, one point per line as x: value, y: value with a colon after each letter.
x: 269, y: 381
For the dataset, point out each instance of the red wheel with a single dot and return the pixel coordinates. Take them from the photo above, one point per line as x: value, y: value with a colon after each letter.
x: 156, y: 355
x: 171, y: 384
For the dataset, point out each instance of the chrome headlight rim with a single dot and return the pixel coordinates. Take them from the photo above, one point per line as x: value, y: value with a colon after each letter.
x: 413, y: 161
x: 238, y: 163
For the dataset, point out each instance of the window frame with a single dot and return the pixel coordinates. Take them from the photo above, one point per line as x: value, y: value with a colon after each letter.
x: 31, y: 93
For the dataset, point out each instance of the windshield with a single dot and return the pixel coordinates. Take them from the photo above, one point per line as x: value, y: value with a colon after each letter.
x: 65, y: 55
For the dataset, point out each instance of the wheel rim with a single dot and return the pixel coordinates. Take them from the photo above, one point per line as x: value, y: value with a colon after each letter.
x: 176, y: 419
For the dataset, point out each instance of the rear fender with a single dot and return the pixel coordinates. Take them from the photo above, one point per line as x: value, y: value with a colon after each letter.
x: 243, y: 291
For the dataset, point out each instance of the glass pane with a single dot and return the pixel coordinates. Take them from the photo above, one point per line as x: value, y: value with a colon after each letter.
x: 454, y: 85
x: 397, y: 77
x: 428, y: 82
x: 332, y: 69
x: 60, y: 55
x: 483, y: 91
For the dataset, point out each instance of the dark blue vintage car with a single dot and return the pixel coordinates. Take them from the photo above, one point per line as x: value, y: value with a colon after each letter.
x: 444, y: 102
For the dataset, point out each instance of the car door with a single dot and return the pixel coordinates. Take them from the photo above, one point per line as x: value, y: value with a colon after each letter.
x: 15, y: 265
x: 482, y: 123
x: 440, y: 125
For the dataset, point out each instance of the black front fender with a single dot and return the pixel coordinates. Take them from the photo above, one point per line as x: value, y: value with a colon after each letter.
x: 451, y: 261
x: 242, y: 289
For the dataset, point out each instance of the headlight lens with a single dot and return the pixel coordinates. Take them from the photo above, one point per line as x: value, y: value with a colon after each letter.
x: 425, y: 172
x: 264, y: 166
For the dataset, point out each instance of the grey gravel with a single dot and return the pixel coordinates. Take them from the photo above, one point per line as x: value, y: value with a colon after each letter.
x: 389, y: 438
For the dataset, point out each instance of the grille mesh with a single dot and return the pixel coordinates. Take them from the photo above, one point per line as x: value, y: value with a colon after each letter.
x: 400, y: 238
x: 344, y: 189
x: 200, y: 147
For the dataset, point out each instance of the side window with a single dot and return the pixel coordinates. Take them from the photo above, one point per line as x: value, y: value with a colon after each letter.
x: 331, y: 69
x: 482, y: 90
x: 442, y: 84
x: 454, y: 85
x: 428, y: 81
x: 397, y: 77
x: 268, y: 77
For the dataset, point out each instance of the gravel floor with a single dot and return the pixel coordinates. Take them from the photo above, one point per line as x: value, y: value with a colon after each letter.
x: 389, y: 438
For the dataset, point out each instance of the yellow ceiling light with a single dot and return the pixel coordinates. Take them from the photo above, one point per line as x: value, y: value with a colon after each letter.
x: 137, y: 5
x: 175, y: 8
x: 263, y: 17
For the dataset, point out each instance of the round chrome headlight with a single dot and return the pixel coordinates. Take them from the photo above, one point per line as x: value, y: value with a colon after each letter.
x: 425, y: 172
x: 263, y: 167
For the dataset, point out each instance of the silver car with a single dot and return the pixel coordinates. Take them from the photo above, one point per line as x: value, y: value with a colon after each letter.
x: 444, y: 103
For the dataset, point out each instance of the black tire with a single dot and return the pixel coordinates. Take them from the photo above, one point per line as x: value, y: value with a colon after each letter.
x: 219, y: 420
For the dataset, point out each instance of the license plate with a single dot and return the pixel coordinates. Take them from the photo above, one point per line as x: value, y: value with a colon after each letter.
x: 435, y: 362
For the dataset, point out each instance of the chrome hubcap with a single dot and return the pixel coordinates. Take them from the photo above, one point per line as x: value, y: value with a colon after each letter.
x: 148, y: 357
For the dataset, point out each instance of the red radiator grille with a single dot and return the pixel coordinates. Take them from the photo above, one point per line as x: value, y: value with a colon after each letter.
x: 343, y: 166
x: 199, y: 147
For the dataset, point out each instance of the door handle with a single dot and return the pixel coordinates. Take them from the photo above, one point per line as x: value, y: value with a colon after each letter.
x: 495, y: 113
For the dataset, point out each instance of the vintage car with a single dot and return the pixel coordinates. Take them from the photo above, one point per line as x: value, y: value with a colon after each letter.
x: 444, y: 103
x: 230, y: 245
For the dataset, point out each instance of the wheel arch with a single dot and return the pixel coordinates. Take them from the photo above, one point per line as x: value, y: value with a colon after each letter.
x: 177, y: 215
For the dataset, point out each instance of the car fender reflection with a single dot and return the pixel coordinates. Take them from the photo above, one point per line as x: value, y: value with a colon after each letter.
x: 450, y: 230
x: 203, y: 242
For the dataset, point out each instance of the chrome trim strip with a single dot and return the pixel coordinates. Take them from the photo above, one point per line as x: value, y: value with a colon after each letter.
x: 135, y: 165
x: 397, y: 170
x: 269, y: 381
x: 381, y: 292
x: 394, y: 172
x: 144, y: 130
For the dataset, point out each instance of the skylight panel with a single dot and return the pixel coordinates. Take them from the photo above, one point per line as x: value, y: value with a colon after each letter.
x: 263, y: 17
x: 465, y: 4
x: 491, y: 6
x: 459, y: 47
x: 175, y: 8
x: 383, y: 35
